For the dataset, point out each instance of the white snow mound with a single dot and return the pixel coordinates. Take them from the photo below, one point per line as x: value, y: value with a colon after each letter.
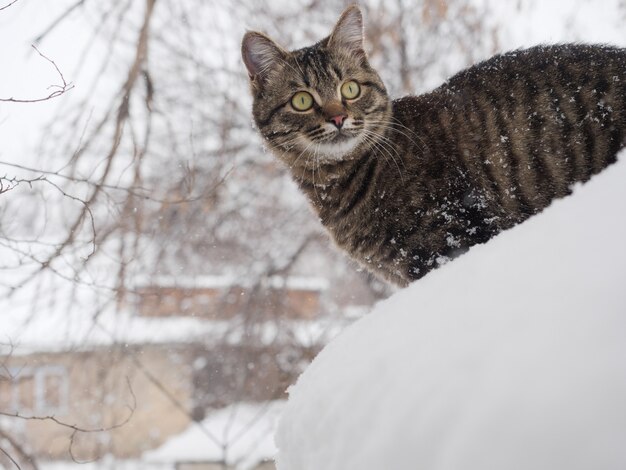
x: 511, y: 357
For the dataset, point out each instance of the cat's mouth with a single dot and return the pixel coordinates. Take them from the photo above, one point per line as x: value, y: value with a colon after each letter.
x: 339, y: 145
x: 341, y: 136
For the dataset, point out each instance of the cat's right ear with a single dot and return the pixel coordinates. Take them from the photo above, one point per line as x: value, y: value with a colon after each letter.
x: 348, y: 32
x: 261, y: 55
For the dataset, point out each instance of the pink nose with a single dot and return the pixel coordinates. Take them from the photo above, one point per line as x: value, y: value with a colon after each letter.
x: 338, y: 120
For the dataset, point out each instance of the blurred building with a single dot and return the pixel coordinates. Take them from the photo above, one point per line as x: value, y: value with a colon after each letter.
x: 177, y: 351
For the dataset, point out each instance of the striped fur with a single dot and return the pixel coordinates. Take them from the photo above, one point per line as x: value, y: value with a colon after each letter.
x: 426, y: 177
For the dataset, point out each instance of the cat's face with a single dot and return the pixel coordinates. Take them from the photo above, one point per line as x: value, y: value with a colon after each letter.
x: 323, y: 101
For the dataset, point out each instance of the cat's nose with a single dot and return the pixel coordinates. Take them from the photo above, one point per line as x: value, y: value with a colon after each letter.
x: 338, y: 120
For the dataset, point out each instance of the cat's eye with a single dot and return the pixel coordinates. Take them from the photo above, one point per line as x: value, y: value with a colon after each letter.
x: 350, y: 90
x: 302, y: 101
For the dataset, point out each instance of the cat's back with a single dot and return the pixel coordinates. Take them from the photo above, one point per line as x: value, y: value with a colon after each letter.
x: 582, y: 75
x: 568, y: 81
x: 562, y: 64
x: 523, y: 126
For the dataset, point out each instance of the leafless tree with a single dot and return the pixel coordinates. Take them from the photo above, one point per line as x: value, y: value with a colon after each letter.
x: 154, y: 168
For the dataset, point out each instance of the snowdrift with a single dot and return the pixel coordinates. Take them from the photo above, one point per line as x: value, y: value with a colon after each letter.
x: 511, y: 357
x: 237, y: 434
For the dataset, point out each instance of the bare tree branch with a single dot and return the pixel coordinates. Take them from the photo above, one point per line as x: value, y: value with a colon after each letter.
x: 19, y: 450
x: 7, y: 455
x: 58, y: 89
x: 122, y: 115
x: 8, y: 5
x: 75, y: 428
x: 134, y: 151
x: 7, y: 184
x: 58, y: 20
x: 135, y: 189
x: 168, y: 394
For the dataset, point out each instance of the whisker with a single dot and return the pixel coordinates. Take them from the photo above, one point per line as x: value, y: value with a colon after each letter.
x: 385, y: 147
x: 316, y: 161
x: 384, y: 140
x: 389, y: 125
x: 374, y: 143
x: 298, y: 158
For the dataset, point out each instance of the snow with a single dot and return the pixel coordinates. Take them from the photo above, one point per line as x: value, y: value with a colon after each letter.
x: 70, y: 326
x: 470, y: 337
x: 106, y: 463
x: 72, y: 330
x: 314, y: 283
x: 512, y: 356
x: 240, y: 434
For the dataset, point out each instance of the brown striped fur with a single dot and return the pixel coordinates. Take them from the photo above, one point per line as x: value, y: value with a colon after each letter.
x: 406, y: 185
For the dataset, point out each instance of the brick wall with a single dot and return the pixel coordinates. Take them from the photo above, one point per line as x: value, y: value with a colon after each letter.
x: 219, y: 303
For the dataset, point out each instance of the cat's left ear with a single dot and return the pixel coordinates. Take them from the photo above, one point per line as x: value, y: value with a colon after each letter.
x: 348, y: 32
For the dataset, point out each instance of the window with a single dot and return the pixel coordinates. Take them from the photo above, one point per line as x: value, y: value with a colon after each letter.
x: 39, y: 390
x: 51, y: 389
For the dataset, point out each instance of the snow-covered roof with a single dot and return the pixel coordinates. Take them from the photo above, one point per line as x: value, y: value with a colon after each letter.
x: 63, y: 320
x: 58, y: 331
x: 226, y: 281
x: 511, y: 357
x: 55, y: 331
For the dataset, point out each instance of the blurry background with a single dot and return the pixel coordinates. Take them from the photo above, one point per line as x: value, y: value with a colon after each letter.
x: 162, y: 281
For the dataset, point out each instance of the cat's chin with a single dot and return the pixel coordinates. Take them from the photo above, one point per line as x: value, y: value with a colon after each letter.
x: 337, y: 149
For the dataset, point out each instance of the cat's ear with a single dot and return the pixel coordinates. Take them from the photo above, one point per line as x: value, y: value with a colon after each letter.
x: 348, y: 32
x: 261, y: 55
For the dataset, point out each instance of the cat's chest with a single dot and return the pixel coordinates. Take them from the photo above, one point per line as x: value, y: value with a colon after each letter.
x: 374, y: 230
x: 340, y: 209
x: 364, y: 223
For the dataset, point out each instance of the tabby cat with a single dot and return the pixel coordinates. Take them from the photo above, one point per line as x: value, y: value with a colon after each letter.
x: 405, y: 185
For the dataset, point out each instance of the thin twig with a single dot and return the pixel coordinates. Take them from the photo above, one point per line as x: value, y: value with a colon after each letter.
x: 21, y: 452
x: 59, y: 89
x: 175, y: 401
x: 132, y: 407
x: 137, y: 191
x: 7, y: 6
x: 7, y: 184
x: 58, y: 20
x: 7, y: 455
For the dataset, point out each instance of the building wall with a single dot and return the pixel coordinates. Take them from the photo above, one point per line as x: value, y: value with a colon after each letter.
x: 224, y: 303
x: 118, y: 392
x: 134, y: 398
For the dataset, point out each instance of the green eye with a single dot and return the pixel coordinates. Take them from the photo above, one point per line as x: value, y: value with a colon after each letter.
x: 350, y: 90
x: 302, y: 101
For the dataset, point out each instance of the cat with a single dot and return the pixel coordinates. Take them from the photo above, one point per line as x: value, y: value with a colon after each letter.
x: 406, y: 185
